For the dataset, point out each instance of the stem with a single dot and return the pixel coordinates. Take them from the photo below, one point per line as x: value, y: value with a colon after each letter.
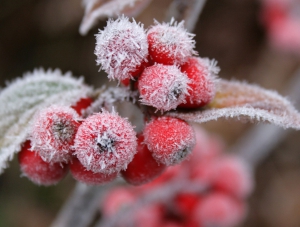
x: 82, y: 206
x: 187, y: 10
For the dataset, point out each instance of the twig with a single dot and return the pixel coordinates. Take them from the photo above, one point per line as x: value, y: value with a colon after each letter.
x: 82, y: 206
x: 187, y: 10
x: 259, y: 141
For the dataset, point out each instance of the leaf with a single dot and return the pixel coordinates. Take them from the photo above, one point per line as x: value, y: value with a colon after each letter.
x: 248, y: 102
x: 21, y: 99
x: 100, y: 9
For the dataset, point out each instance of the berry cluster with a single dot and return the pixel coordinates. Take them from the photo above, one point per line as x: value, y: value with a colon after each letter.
x: 95, y: 149
x: 282, y: 21
x: 226, y: 181
x: 159, y: 63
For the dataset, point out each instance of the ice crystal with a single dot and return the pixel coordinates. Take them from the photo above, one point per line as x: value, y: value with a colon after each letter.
x: 121, y: 48
x: 243, y: 101
x: 98, y: 9
x: 22, y: 98
x: 105, y: 143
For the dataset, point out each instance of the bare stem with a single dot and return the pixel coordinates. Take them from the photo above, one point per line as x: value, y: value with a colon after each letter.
x: 187, y: 10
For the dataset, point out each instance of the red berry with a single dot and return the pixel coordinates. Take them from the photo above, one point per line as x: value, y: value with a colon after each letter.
x: 149, y: 216
x: 163, y: 87
x: 53, y: 133
x: 202, y: 76
x: 80, y: 173
x: 105, y: 143
x: 170, y: 43
x: 122, y: 48
x: 185, y: 203
x: 233, y: 176
x: 170, y: 139
x: 117, y: 200
x: 220, y: 210
x: 37, y: 170
x: 82, y: 104
x: 143, y: 168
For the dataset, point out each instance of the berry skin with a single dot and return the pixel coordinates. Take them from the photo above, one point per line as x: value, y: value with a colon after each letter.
x: 37, y: 170
x: 143, y: 168
x: 219, y: 210
x: 82, y: 104
x: 170, y: 43
x: 105, y: 143
x: 202, y: 76
x: 80, y: 173
x: 53, y: 133
x: 170, y: 139
x: 122, y: 48
x: 163, y: 87
x: 233, y: 176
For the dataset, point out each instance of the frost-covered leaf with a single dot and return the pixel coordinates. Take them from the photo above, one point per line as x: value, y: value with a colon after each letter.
x: 20, y: 100
x: 247, y: 102
x: 99, y: 9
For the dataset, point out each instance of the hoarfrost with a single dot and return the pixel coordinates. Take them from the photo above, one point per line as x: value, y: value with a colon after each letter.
x: 22, y: 98
x: 243, y: 101
x: 121, y: 48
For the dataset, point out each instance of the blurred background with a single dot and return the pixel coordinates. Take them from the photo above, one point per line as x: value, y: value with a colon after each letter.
x: 44, y: 33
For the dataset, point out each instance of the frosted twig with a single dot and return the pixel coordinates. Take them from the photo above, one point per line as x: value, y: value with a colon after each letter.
x: 187, y: 10
x: 82, y: 206
x: 259, y: 141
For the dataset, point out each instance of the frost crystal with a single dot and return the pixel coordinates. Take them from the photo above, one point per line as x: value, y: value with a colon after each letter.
x: 105, y: 143
x: 121, y: 48
x: 22, y: 98
x: 163, y: 87
x: 170, y: 43
x: 53, y: 133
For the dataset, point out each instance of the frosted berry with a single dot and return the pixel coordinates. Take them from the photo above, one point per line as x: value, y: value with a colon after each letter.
x: 233, y: 176
x: 170, y: 139
x: 170, y: 43
x: 202, y: 76
x: 80, y: 173
x: 163, y: 87
x: 143, y: 168
x: 220, y: 210
x: 37, y: 170
x: 53, y: 133
x: 122, y: 48
x: 105, y: 143
x: 82, y: 104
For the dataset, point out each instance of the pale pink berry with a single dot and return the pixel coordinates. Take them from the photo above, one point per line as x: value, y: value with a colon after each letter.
x: 163, y: 87
x: 201, y: 73
x: 37, y: 170
x: 233, y: 175
x: 105, y: 143
x: 80, y: 173
x: 220, y: 210
x: 122, y: 48
x: 117, y: 200
x: 53, y: 133
x: 170, y: 43
x: 169, y: 139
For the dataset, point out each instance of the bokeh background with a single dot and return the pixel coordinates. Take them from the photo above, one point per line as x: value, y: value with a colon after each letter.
x: 44, y: 33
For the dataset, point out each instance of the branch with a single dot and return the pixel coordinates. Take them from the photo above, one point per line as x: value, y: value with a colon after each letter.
x: 187, y: 10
